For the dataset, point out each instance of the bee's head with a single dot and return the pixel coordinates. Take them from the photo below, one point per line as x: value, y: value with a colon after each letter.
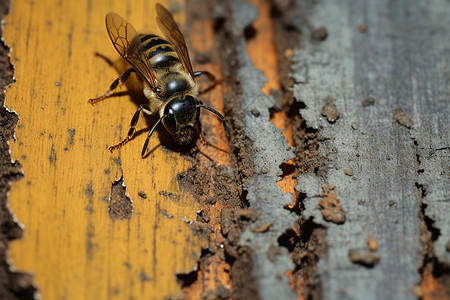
x: 180, y: 114
x: 180, y: 117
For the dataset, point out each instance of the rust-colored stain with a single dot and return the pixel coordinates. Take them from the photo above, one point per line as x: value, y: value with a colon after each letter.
x: 430, y: 288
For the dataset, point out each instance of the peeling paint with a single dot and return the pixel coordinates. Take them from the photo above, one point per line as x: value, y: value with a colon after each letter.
x: 120, y: 204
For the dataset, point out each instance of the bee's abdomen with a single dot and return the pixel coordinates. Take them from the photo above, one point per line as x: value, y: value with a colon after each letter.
x: 160, y: 52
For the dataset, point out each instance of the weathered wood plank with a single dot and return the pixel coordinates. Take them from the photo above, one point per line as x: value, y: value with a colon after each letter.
x: 71, y: 244
x: 379, y: 165
x: 375, y: 162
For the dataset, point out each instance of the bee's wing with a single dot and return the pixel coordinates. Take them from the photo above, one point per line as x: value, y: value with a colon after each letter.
x: 172, y: 33
x: 127, y: 42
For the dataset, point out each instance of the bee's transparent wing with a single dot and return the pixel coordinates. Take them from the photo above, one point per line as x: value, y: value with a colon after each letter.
x: 127, y: 42
x: 173, y: 34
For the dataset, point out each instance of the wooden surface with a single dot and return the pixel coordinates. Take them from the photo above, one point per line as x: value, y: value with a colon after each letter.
x: 73, y: 247
x: 379, y: 164
x: 390, y: 178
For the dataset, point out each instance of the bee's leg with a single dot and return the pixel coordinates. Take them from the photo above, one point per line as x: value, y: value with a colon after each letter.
x: 121, y: 79
x: 211, y: 79
x: 198, y: 127
x: 219, y: 115
x: 208, y: 75
x: 132, y: 130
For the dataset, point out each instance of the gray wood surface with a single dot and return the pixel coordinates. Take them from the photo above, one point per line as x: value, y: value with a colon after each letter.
x: 269, y: 149
x: 401, y: 60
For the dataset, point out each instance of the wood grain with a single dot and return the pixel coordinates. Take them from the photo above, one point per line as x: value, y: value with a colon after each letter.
x: 376, y: 160
x: 73, y: 247
x: 390, y: 180
x: 262, y: 51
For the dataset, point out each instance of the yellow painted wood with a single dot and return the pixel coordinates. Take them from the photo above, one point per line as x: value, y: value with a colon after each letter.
x: 71, y: 244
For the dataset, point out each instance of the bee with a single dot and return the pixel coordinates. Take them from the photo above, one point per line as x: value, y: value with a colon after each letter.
x: 165, y: 69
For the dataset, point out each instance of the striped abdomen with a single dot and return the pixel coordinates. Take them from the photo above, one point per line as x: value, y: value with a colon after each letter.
x: 160, y: 52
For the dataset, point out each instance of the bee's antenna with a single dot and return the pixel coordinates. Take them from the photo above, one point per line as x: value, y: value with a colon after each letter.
x: 219, y: 115
x: 150, y: 134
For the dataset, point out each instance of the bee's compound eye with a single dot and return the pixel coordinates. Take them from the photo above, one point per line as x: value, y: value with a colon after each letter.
x: 169, y: 121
